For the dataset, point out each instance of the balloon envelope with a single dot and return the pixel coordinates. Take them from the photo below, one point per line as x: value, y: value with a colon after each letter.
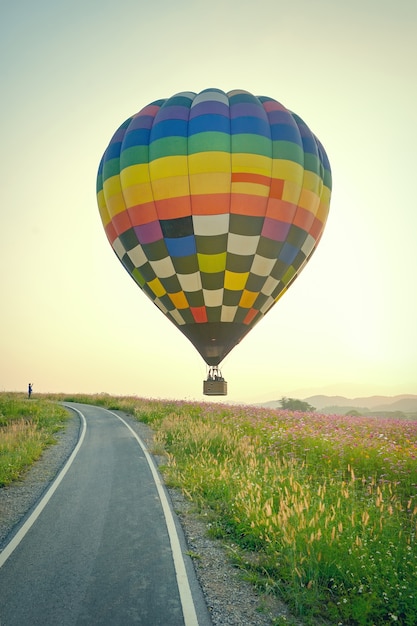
x: 214, y: 202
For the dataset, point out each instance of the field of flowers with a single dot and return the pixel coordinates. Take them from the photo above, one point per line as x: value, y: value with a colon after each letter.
x: 321, y: 510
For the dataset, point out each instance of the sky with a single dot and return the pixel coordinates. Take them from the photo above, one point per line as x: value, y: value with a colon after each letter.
x: 72, y: 319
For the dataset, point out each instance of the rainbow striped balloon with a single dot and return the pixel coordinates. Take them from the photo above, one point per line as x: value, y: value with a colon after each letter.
x: 214, y: 202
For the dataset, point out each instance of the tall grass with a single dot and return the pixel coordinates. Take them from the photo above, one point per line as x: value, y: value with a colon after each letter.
x: 320, y: 510
x: 26, y: 428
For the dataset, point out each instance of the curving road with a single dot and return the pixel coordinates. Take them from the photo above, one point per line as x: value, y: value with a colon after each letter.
x: 103, y: 546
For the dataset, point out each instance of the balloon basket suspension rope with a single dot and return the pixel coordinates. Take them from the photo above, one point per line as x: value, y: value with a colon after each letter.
x: 215, y: 384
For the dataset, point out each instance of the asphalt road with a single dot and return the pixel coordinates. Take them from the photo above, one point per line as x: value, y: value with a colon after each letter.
x: 106, y: 548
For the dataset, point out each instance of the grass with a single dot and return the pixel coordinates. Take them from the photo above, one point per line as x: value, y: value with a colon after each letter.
x: 27, y: 427
x: 319, y: 510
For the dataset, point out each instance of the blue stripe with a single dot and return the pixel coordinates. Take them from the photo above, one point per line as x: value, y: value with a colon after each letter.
x: 112, y: 152
x: 309, y: 145
x: 284, y: 132
x: 137, y: 137
x: 205, y: 123
x: 169, y: 128
x: 250, y: 125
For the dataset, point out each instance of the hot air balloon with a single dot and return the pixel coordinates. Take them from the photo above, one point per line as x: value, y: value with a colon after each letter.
x: 214, y: 202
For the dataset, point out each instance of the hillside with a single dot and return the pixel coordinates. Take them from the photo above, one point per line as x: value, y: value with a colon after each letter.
x: 406, y: 403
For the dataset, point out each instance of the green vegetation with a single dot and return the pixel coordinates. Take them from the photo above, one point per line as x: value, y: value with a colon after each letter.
x: 293, y: 404
x: 320, y: 510
x: 26, y: 428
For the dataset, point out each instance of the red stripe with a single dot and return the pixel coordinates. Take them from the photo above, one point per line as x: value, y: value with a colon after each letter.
x: 121, y: 222
x: 246, y: 204
x: 316, y: 229
x: 143, y: 213
x: 210, y: 204
x: 171, y: 208
x: 110, y: 232
x: 303, y: 219
x: 281, y: 210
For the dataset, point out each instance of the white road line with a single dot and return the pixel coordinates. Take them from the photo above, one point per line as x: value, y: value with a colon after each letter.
x: 187, y: 602
x: 14, y: 542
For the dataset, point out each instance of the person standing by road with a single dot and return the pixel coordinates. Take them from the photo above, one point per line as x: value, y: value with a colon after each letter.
x: 30, y: 387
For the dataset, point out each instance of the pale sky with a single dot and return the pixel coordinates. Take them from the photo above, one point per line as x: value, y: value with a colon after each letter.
x: 72, y: 319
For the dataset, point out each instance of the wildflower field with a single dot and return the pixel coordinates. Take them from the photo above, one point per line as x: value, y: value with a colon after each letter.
x: 320, y: 510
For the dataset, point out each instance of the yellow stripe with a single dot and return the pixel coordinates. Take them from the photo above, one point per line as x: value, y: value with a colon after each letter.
x: 309, y: 201
x: 213, y: 182
x: 323, y: 210
x: 100, y: 199
x: 212, y: 263
x: 235, y: 281
x: 219, y: 162
x: 291, y: 191
x: 251, y: 189
x: 116, y: 204
x: 135, y: 175
x: 172, y: 187
x: 112, y: 186
x: 325, y: 196
x: 102, y: 207
x: 312, y: 182
x: 138, y: 194
x: 287, y: 170
x: 203, y: 162
x: 168, y: 167
x: 253, y: 163
x: 113, y: 196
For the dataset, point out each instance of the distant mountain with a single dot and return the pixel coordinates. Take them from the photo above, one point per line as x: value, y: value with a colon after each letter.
x: 406, y: 403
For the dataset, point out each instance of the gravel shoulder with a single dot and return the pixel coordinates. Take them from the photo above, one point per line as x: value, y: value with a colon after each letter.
x: 231, y: 601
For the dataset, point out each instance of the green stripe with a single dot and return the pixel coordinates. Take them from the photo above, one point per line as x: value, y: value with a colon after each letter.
x: 111, y: 168
x: 312, y: 163
x: 99, y: 183
x: 238, y: 98
x: 327, y: 178
x: 211, y: 141
x: 134, y: 156
x: 219, y: 142
x: 288, y: 150
x: 252, y: 144
x: 168, y: 146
